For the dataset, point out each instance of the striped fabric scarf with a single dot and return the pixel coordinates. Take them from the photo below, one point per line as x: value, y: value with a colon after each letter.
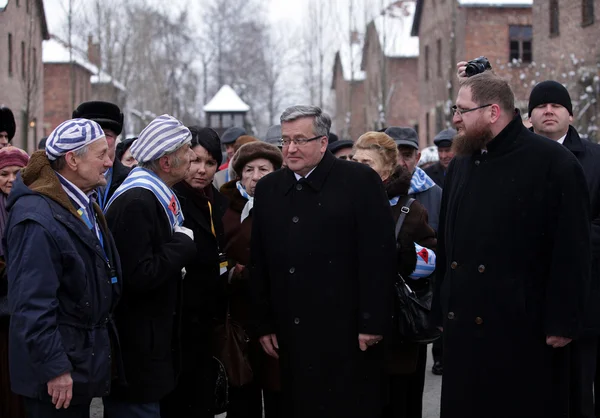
x: 420, y: 182
x: 249, y: 203
x: 146, y: 179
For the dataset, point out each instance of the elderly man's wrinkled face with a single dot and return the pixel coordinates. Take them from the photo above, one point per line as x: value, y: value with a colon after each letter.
x: 446, y: 155
x: 181, y: 161
x: 408, y: 157
x: 3, y: 139
x: 302, y: 158
x: 7, y: 177
x: 127, y: 159
x: 550, y: 120
x: 344, y: 154
x: 90, y: 167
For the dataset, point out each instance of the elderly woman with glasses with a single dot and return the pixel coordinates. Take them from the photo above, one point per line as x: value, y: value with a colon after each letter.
x: 415, y: 262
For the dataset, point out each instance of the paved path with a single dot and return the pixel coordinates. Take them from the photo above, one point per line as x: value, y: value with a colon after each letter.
x: 431, y: 396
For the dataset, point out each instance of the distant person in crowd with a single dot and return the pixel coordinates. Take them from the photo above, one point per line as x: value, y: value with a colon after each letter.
x: 8, y: 126
x: 203, y: 206
x: 42, y: 143
x: 513, y: 262
x: 109, y: 117
x: 228, y: 140
x: 422, y: 187
x: 443, y: 141
x: 551, y: 114
x: 273, y: 136
x: 251, y: 162
x: 416, y: 243
x: 64, y: 276
x: 429, y: 157
x: 146, y: 219
x: 341, y: 149
x: 123, y: 154
x: 12, y: 160
x: 322, y: 267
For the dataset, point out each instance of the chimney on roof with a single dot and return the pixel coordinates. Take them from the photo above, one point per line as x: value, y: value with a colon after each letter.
x: 93, y: 52
x: 354, y: 37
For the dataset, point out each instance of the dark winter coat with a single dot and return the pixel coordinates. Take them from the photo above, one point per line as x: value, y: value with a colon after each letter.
x: 437, y: 174
x: 513, y: 267
x: 402, y: 356
x: 323, y: 254
x: 238, y: 236
x: 149, y: 314
x: 431, y: 199
x: 119, y: 174
x: 60, y: 291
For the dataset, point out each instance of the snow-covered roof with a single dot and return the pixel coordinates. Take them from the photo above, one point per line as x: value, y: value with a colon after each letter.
x: 496, y: 3
x: 351, y: 58
x: 104, y: 78
x: 226, y: 100
x: 394, y: 27
x: 54, y: 51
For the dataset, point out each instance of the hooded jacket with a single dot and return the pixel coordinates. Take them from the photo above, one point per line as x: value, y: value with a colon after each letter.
x: 61, y: 289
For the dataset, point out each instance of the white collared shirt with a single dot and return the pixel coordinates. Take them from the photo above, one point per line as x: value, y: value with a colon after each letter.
x: 298, y: 176
x: 561, y: 141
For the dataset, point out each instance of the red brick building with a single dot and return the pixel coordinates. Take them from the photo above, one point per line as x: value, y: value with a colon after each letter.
x: 349, y: 118
x: 384, y: 89
x: 565, y: 38
x: 453, y: 30
x: 73, y: 77
x: 23, y: 27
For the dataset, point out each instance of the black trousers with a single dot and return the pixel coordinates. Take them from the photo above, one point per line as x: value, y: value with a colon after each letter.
x: 35, y: 408
x: 437, y: 350
x: 584, y: 353
x: 273, y: 404
x: 406, y: 391
x: 245, y: 402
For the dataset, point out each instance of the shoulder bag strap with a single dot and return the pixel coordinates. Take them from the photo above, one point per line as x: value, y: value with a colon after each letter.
x: 403, y: 212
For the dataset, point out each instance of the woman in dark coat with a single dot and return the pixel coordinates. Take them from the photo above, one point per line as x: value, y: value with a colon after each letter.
x: 203, y: 207
x: 12, y: 160
x: 250, y: 163
x: 379, y: 151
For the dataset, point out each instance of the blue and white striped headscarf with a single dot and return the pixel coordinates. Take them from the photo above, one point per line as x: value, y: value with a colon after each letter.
x: 163, y: 135
x: 72, y: 135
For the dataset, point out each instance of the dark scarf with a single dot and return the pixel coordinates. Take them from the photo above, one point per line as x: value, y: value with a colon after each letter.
x: 398, y: 183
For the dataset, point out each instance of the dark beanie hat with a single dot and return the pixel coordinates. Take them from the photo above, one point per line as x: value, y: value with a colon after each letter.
x: 107, y: 115
x: 123, y: 146
x: 254, y: 150
x: 550, y: 92
x: 232, y: 134
x: 209, y: 140
x: 7, y: 122
x: 332, y: 138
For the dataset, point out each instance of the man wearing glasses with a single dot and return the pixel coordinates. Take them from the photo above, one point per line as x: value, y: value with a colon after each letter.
x: 323, y: 263
x: 513, y: 262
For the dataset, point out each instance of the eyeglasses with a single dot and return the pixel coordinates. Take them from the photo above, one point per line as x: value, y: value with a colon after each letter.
x: 299, y: 142
x: 460, y: 112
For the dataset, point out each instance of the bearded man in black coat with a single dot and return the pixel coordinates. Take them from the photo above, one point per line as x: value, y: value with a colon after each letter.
x: 513, y: 262
x: 551, y: 114
x: 322, y: 269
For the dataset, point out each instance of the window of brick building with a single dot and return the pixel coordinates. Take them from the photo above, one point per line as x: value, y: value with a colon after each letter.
x: 34, y: 69
x: 439, y: 58
x: 520, y: 43
x: 426, y: 62
x: 554, y: 26
x: 587, y: 12
x: 27, y: 5
x: 10, y: 55
x: 23, y: 61
x: 427, y: 128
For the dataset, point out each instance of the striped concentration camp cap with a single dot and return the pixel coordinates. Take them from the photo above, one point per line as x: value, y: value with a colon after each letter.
x: 72, y: 135
x: 162, y: 136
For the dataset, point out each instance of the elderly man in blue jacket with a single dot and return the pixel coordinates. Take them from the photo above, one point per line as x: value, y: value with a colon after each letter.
x: 63, y: 276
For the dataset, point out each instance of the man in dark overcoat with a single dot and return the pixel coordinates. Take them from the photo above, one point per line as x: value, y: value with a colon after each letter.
x: 551, y: 114
x: 513, y: 262
x: 323, y: 264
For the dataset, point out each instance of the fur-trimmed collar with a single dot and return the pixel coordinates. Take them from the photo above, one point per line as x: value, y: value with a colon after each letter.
x: 236, y: 200
x: 398, y: 183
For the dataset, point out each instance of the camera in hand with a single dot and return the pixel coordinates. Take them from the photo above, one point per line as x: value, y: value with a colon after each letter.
x: 478, y: 65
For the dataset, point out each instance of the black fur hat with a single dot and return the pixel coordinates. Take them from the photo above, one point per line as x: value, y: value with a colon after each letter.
x: 107, y: 115
x: 7, y: 122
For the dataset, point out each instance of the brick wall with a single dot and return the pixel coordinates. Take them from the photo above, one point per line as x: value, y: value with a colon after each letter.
x: 24, y: 28
x: 58, y: 102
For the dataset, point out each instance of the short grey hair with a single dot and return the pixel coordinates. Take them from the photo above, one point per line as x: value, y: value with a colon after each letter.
x: 154, y: 166
x: 60, y: 163
x: 321, y: 122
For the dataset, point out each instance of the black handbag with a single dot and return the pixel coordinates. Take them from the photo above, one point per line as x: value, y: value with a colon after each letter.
x: 411, y: 311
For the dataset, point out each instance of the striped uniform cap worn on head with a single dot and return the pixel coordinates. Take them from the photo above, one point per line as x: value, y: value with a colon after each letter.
x: 72, y: 135
x: 163, y: 135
